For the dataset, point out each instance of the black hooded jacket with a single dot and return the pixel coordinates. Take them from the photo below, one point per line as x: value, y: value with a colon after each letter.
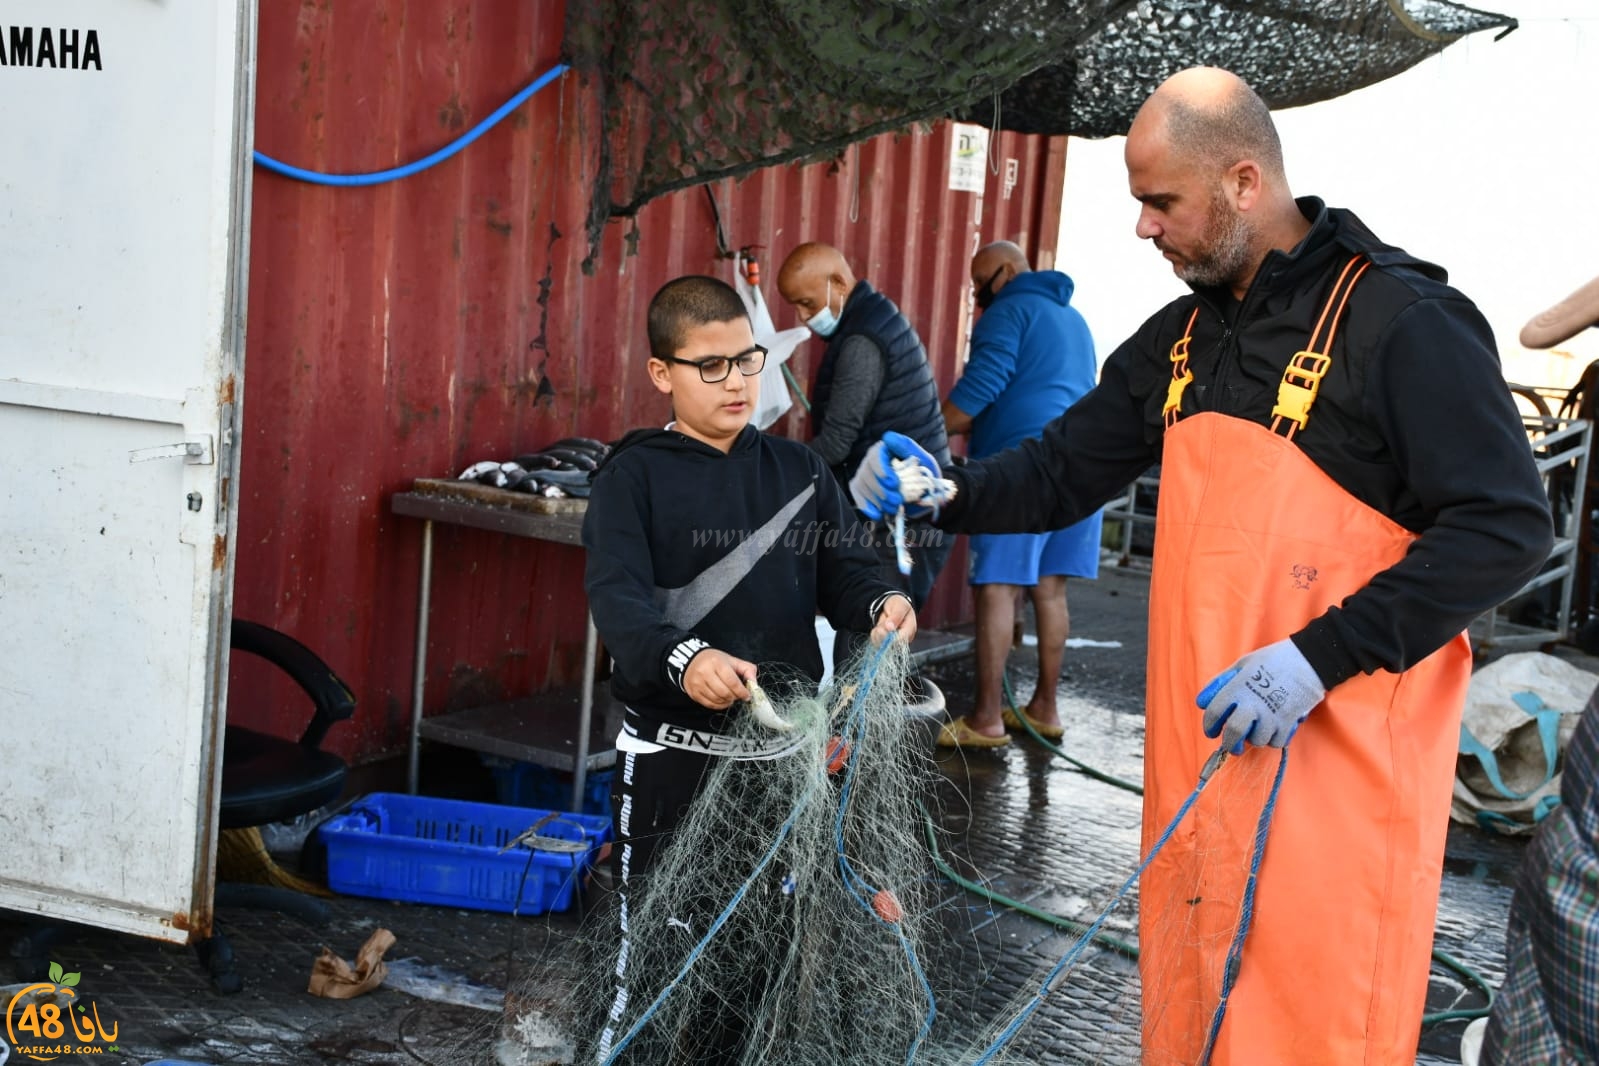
x: 1413, y: 418
x: 690, y: 548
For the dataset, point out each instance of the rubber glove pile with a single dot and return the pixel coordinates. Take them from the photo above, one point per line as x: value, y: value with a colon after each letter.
x: 560, y: 469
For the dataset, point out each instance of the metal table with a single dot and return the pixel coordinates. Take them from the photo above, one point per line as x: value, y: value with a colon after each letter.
x: 523, y: 729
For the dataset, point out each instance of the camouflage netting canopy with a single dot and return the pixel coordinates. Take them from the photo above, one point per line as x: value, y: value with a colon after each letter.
x: 696, y: 90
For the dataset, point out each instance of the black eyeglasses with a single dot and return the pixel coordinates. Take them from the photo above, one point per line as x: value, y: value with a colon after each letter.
x: 714, y: 368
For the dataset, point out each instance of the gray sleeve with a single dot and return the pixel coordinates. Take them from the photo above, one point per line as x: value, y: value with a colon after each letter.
x: 856, y: 383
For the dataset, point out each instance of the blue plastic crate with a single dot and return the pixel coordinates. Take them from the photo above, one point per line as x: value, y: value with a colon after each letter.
x: 525, y: 784
x: 425, y: 850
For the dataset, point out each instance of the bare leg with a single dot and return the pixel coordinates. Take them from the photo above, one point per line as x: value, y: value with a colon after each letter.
x: 1054, y: 626
x: 996, y: 613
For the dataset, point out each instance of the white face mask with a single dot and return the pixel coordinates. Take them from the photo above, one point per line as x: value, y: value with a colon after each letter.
x: 824, y: 322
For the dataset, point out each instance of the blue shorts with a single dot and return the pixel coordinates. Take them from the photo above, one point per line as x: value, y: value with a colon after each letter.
x: 1022, y: 558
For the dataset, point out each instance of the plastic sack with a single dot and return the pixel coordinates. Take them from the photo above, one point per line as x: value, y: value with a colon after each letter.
x: 774, y: 400
x: 1520, y: 713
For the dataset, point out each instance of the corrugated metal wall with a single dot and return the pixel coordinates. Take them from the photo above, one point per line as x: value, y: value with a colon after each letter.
x: 408, y: 329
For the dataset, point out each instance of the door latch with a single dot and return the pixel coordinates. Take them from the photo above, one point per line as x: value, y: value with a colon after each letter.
x: 196, y: 452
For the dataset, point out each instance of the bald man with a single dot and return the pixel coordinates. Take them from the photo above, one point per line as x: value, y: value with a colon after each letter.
x: 1345, y: 485
x: 1031, y: 358
x: 873, y: 377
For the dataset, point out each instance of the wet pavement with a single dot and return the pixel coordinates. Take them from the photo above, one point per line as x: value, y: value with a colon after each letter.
x: 1020, y: 822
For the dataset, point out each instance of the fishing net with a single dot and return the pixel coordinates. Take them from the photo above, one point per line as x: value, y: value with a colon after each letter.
x: 697, y: 90
x: 797, y: 919
x: 784, y: 924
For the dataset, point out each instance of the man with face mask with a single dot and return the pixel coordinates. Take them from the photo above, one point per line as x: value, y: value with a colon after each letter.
x: 1031, y: 358
x: 1345, y: 485
x: 873, y: 378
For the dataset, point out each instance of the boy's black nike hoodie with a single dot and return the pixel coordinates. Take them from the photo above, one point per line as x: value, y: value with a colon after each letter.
x: 689, y: 549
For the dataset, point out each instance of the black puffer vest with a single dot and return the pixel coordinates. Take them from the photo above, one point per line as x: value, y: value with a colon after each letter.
x: 908, y: 400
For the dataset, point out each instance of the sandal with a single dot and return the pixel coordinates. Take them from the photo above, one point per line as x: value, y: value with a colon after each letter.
x: 1012, y: 717
x: 957, y: 734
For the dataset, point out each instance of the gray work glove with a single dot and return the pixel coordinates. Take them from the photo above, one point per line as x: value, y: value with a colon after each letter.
x: 1261, y: 697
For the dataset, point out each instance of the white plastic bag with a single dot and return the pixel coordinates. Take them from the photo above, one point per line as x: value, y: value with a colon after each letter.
x: 774, y: 400
x: 824, y: 638
x: 1520, y: 713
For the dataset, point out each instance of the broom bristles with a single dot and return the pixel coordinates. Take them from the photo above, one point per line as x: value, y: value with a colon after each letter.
x: 242, y: 857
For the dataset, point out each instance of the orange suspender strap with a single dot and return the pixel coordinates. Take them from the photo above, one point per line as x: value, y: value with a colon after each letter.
x: 1302, y: 377
x: 1180, y: 374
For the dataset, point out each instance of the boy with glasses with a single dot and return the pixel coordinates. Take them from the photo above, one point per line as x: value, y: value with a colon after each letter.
x: 711, y: 546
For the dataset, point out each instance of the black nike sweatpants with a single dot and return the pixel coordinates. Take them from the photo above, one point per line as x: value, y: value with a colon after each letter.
x: 651, y: 794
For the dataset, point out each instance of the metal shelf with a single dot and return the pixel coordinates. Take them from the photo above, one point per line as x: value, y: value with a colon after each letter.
x: 550, y: 729
x: 537, y: 729
x: 1557, y: 443
x: 558, y: 528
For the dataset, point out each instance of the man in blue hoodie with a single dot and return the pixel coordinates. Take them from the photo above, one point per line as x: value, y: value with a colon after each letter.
x: 1032, y: 357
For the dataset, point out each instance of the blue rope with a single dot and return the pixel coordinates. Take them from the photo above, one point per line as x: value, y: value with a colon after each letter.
x: 396, y: 173
x: 1246, y: 912
x: 1009, y: 1032
x: 863, y: 891
x: 716, y: 926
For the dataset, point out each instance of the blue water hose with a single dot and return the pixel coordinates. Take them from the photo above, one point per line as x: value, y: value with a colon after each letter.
x: 396, y: 173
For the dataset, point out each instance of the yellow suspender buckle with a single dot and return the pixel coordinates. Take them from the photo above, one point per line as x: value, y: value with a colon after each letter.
x: 1297, y: 392
x: 1174, y: 393
x: 1302, y: 377
x: 1181, y: 375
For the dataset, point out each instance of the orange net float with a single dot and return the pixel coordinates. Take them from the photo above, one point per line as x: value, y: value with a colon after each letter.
x: 886, y: 904
x: 837, y: 754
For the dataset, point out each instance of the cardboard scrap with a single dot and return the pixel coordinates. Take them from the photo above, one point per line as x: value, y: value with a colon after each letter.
x: 333, y: 978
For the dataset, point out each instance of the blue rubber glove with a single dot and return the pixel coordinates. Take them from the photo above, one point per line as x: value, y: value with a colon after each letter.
x: 1261, y: 697
x: 876, y: 487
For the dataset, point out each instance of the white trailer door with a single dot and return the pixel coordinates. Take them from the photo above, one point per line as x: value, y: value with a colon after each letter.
x: 125, y: 133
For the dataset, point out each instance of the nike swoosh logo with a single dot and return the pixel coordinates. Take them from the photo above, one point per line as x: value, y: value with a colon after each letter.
x: 686, y: 606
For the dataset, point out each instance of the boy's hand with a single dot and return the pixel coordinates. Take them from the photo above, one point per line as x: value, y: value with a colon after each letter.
x: 715, y: 679
x: 897, y: 617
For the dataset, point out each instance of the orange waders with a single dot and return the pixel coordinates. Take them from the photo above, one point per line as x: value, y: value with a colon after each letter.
x: 1252, y: 542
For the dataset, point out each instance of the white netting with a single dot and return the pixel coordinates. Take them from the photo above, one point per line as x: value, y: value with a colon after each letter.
x: 919, y: 486
x: 783, y: 923
x: 797, y: 919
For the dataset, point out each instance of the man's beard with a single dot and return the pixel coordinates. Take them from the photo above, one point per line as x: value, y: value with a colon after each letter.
x: 1227, y: 249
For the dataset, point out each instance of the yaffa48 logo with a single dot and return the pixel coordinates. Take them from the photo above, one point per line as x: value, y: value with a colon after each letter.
x: 49, y: 1019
